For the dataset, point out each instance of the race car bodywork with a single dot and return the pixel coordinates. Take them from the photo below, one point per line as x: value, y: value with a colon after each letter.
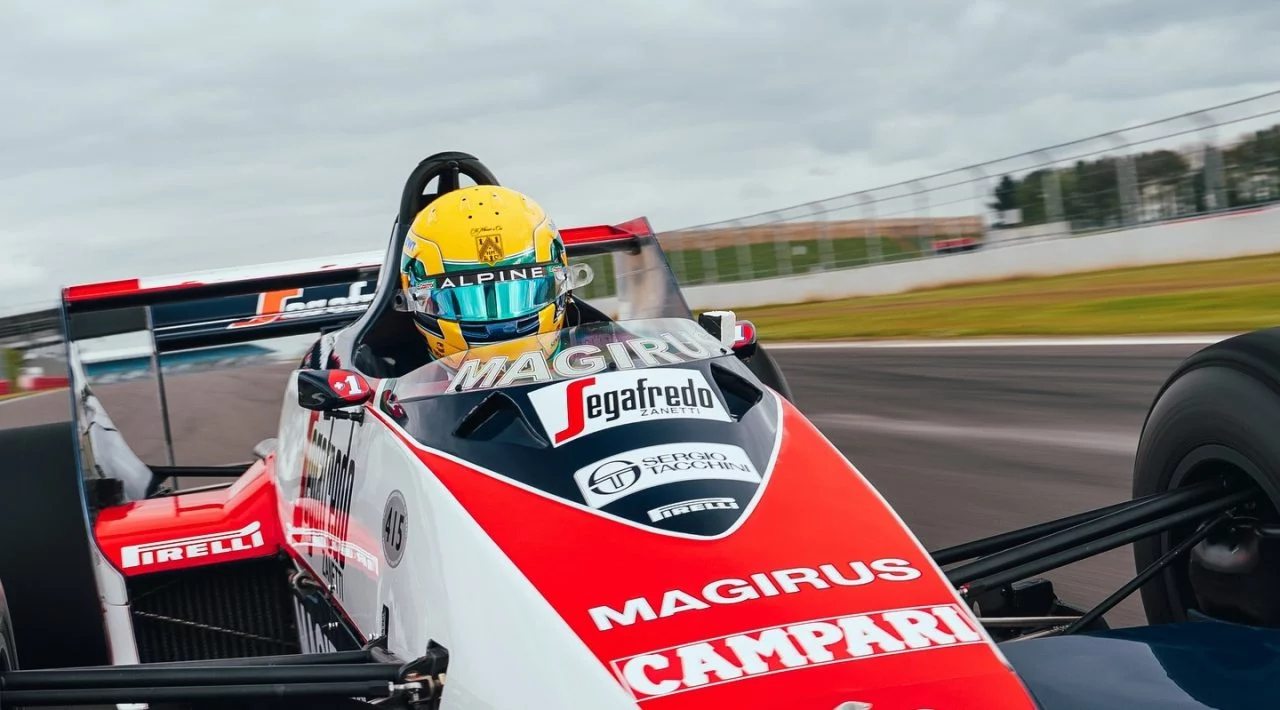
x: 643, y: 519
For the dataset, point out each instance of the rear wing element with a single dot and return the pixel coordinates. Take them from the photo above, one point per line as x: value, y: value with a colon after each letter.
x: 228, y: 305
x: 282, y: 299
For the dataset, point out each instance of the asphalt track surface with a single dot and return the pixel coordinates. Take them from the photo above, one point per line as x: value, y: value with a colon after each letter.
x: 965, y: 442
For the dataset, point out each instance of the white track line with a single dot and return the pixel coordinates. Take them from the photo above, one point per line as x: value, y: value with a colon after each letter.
x: 32, y: 395
x: 1122, y: 340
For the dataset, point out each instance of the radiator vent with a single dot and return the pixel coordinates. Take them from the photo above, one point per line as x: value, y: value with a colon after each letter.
x: 234, y: 610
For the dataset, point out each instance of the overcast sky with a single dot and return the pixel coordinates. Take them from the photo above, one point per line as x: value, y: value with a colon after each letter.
x: 148, y: 137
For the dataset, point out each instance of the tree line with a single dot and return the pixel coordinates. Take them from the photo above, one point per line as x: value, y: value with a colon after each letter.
x: 1167, y: 184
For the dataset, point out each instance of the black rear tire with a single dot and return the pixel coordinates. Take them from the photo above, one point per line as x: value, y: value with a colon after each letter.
x: 46, y: 562
x: 1218, y: 412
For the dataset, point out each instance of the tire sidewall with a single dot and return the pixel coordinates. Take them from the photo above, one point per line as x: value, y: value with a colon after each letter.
x: 47, y: 563
x: 1207, y: 414
x: 8, y: 645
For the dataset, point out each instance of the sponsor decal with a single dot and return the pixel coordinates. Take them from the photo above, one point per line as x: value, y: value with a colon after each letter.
x: 576, y: 361
x: 328, y: 481
x: 794, y: 646
x: 489, y: 246
x: 395, y: 516
x: 609, y: 480
x: 186, y: 548
x: 287, y: 304
x: 480, y: 278
x: 312, y: 634
x: 318, y: 541
x: 349, y: 386
x: 755, y: 586
x: 691, y: 506
x: 575, y: 409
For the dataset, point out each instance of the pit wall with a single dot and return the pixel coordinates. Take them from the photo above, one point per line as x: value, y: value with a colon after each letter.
x: 1244, y: 233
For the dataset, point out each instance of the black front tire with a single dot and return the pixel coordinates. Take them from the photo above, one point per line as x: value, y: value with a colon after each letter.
x: 1219, y: 412
x: 46, y: 561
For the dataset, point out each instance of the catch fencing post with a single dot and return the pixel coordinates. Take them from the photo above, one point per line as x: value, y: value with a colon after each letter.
x: 922, y: 206
x: 709, y: 264
x: 1126, y: 179
x: 675, y: 245
x: 1215, y: 197
x: 1053, y: 210
x: 875, y: 250
x: 742, y: 250
x: 781, y: 245
x: 980, y: 186
x: 826, y: 250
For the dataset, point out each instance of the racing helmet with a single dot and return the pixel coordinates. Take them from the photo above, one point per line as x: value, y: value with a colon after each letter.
x: 484, y: 265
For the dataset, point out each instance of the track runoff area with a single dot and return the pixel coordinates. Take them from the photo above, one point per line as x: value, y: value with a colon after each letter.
x: 966, y: 438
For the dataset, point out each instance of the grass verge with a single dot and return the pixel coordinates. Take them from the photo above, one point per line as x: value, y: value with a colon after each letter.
x: 1201, y: 297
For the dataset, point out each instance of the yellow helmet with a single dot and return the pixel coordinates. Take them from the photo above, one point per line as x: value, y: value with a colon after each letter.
x: 483, y: 265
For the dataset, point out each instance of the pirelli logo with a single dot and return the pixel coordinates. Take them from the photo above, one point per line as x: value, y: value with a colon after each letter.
x: 186, y: 548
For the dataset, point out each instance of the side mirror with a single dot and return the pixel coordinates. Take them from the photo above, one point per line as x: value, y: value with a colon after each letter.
x: 329, y: 390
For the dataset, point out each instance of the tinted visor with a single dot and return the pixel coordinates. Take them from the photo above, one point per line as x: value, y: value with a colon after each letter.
x: 487, y: 294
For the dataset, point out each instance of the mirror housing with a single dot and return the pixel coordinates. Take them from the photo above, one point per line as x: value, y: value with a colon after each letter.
x: 329, y: 390
x: 720, y: 324
x: 744, y: 338
x: 736, y: 335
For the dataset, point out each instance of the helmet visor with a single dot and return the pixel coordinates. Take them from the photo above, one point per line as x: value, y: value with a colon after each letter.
x: 489, y: 294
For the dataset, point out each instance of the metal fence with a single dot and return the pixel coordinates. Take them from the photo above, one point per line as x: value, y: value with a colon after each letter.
x: 1214, y: 160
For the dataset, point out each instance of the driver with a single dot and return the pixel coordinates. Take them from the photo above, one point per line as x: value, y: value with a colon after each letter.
x: 485, y: 266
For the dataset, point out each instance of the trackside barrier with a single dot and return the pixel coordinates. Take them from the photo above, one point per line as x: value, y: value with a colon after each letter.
x: 35, y: 383
x: 27, y: 383
x: 1232, y: 235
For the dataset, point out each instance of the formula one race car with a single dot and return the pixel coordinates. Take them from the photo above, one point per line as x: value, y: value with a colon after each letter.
x: 644, y: 519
